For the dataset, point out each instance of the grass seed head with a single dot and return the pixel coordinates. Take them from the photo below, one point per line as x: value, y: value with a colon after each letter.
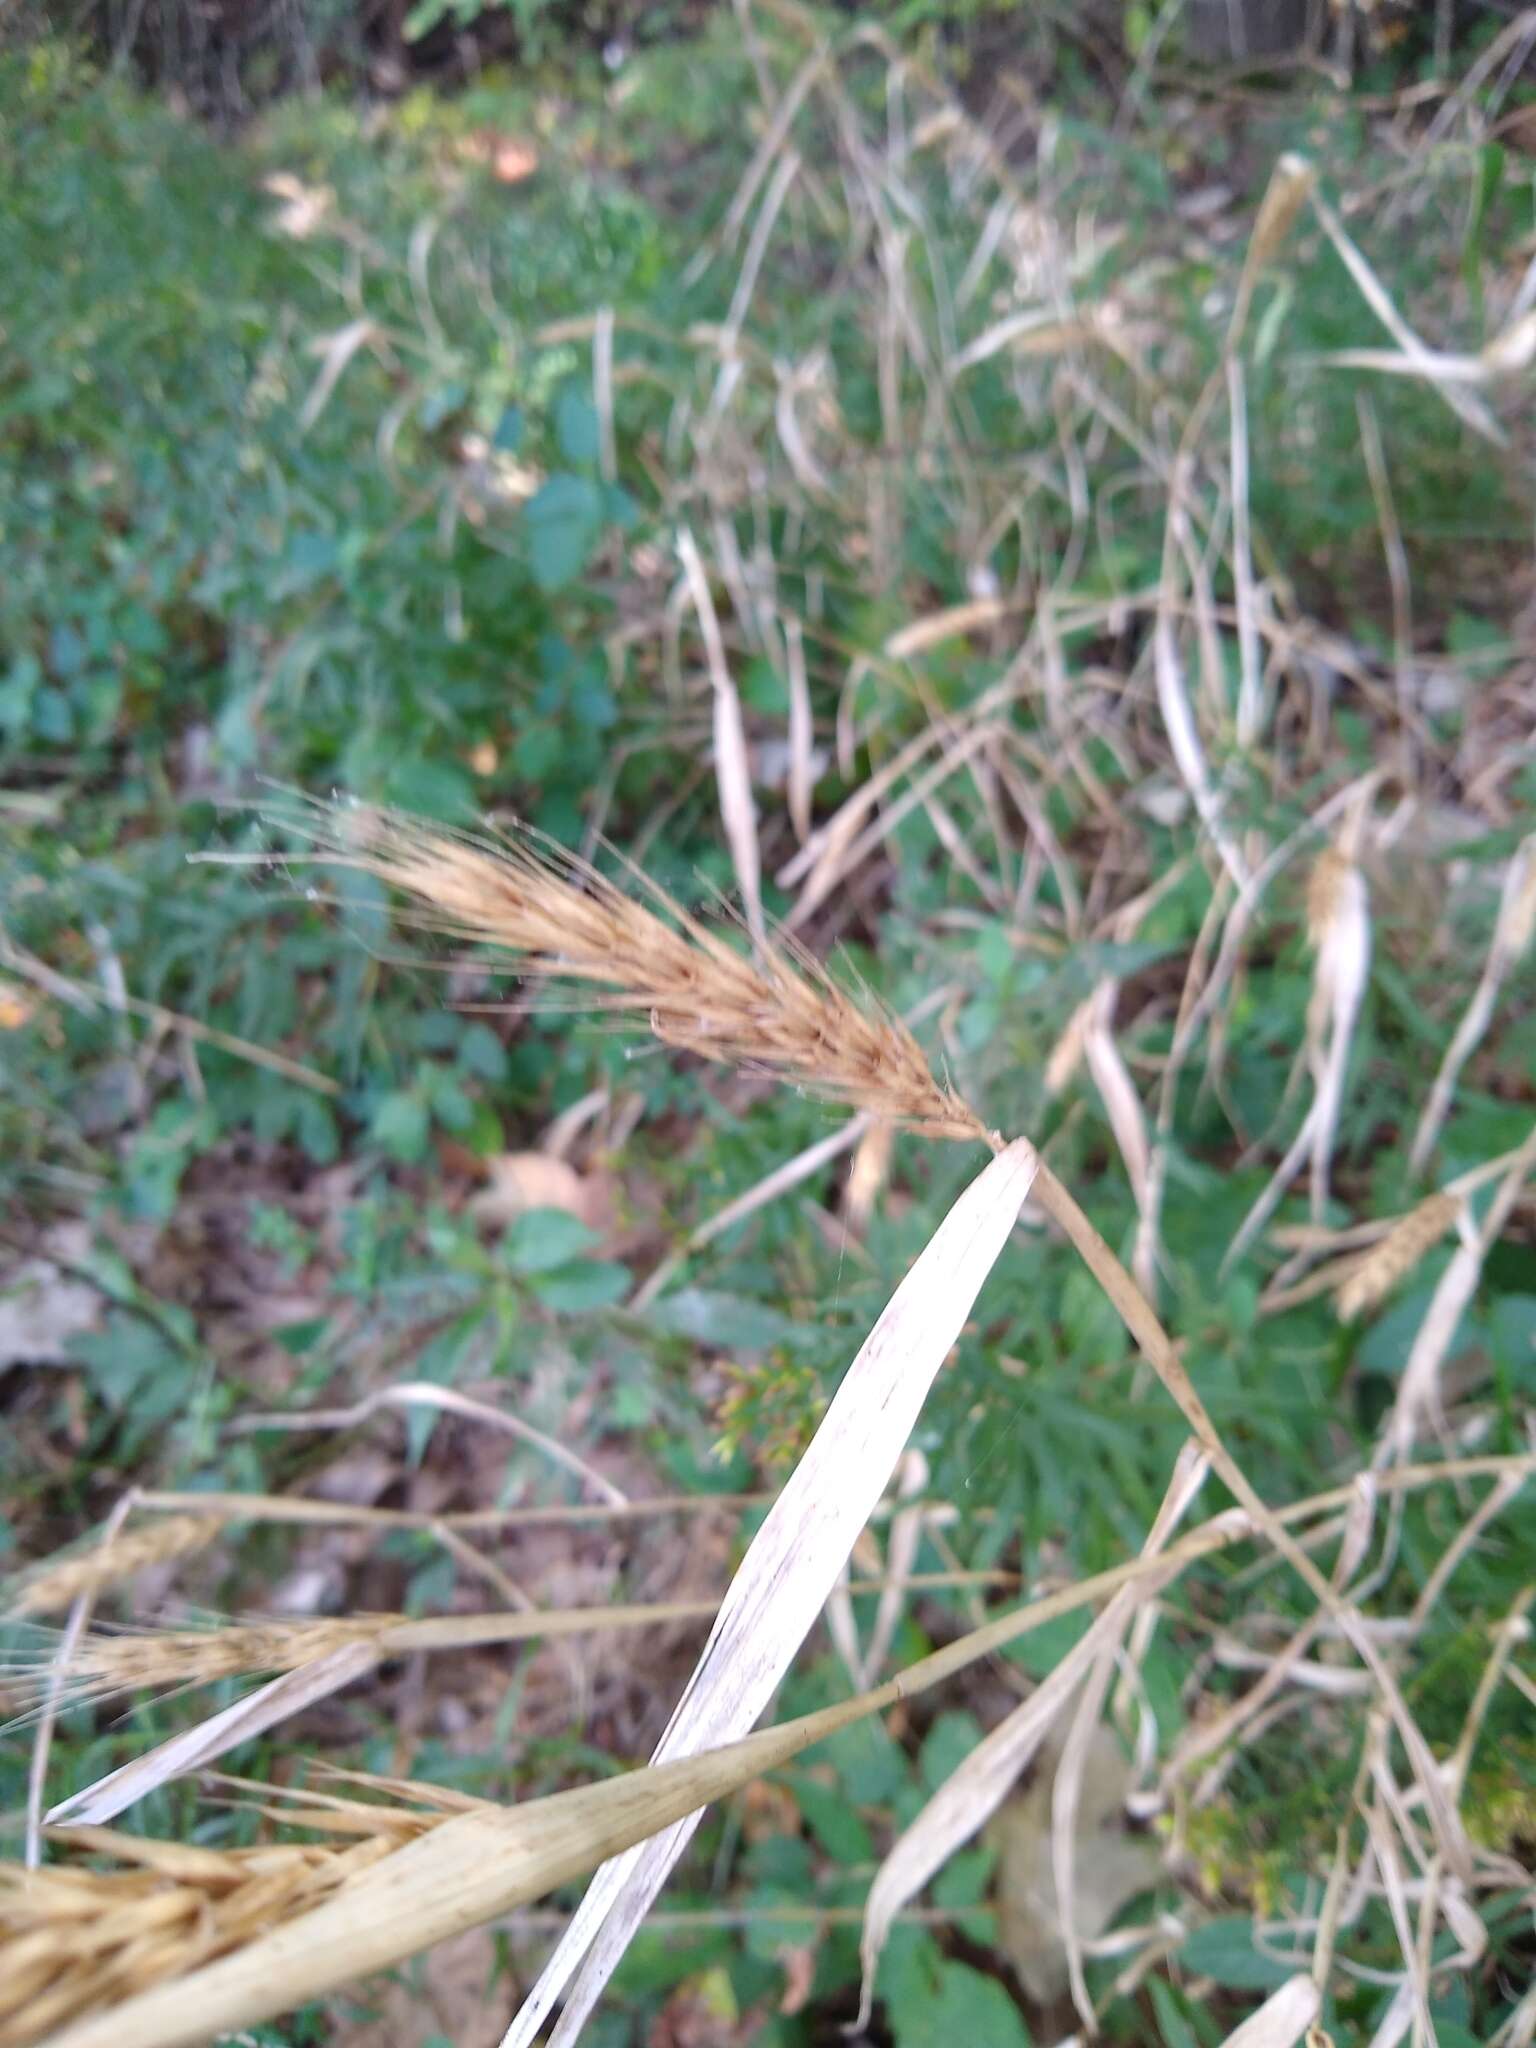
x: 779, y: 1013
x: 1374, y: 1277
x: 58, y: 1582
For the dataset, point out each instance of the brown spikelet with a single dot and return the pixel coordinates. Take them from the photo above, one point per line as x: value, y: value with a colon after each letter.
x: 153, y: 1660
x: 777, y: 1013
x: 1374, y: 1276
x: 78, y: 1939
x: 58, y: 1582
x: 1324, y: 886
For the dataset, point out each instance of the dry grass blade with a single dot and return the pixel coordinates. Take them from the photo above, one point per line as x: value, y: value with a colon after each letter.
x: 1339, y: 925
x: 1188, y: 1476
x: 1417, y: 356
x: 1418, y: 1390
x: 1141, y: 1320
x: 57, y: 1582
x: 1512, y: 933
x: 465, y: 1870
x: 408, y: 1394
x: 1282, y: 2019
x: 195, y: 1748
x: 738, y: 811
x: 973, y: 1792
x: 779, y: 1014
x: 793, y: 1561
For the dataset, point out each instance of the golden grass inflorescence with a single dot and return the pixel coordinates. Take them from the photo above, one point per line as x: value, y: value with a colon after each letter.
x: 1372, y: 1277
x: 58, y: 1582
x: 81, y: 1937
x: 777, y: 1012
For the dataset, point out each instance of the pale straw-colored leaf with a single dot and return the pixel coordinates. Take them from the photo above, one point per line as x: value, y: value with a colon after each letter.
x: 900, y: 1559
x: 1511, y: 936
x: 801, y: 775
x: 1184, y: 740
x: 602, y: 393
x: 949, y: 624
x: 794, y: 1559
x: 738, y: 810
x: 976, y: 1789
x: 197, y: 1747
x: 1470, y: 410
x: 1250, y: 688
x: 335, y: 351
x: 1282, y: 2019
x: 868, y: 1175
x: 1188, y: 1477
x: 1339, y: 923
x: 1418, y: 1390
x: 1342, y: 934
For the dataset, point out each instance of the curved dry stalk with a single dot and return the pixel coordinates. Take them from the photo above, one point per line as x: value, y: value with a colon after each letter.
x: 781, y: 1014
x: 409, y: 1394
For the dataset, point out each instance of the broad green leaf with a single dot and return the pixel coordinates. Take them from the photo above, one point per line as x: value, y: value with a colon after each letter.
x: 564, y: 518
x: 543, y: 1239
x: 1225, y: 1951
x: 598, y: 1283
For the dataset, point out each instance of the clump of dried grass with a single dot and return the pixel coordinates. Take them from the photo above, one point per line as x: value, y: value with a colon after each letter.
x: 778, y: 1013
x: 58, y: 1582
x: 82, y: 1937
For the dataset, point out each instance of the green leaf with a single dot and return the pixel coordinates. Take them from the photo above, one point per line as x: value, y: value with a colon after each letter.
x: 401, y: 1125
x: 542, y: 1239
x: 572, y: 1289
x: 963, y: 1880
x: 564, y: 519
x: 1174, y: 2028
x: 833, y: 1821
x: 482, y: 1052
x: 508, y: 437
x: 955, y: 2004
x: 434, y: 789
x: 946, y: 1746
x: 576, y: 426
x: 1512, y: 1336
x: 726, y: 1322
x: 1225, y: 1951
x: 315, y: 1124
x: 130, y: 1363
x: 870, y: 1766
